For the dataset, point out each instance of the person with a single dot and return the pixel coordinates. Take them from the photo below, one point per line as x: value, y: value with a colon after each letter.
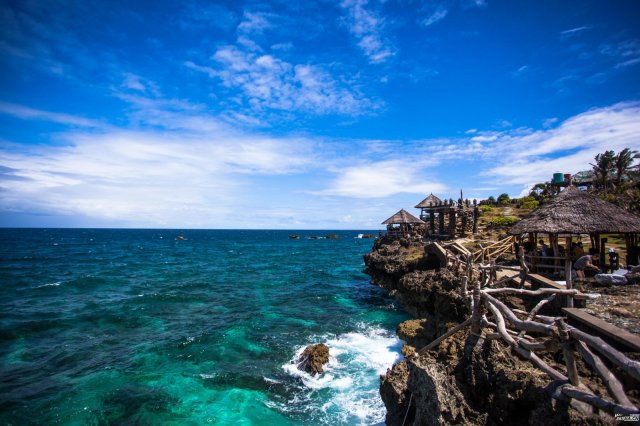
x: 544, y: 249
x: 577, y: 252
x: 614, y: 262
x: 585, y: 262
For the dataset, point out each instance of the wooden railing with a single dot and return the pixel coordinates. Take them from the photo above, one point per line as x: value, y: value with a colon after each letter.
x: 493, y: 250
x: 530, y: 335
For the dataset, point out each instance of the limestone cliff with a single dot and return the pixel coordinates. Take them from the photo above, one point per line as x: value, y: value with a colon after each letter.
x: 464, y: 380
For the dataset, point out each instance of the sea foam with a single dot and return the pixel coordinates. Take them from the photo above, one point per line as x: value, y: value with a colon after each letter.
x: 351, y: 379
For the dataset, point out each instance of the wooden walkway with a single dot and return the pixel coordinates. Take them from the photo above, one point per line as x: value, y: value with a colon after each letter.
x: 615, y: 335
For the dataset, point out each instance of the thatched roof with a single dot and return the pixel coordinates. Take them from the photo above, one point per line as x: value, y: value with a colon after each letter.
x: 578, y: 212
x: 402, y: 216
x: 430, y: 201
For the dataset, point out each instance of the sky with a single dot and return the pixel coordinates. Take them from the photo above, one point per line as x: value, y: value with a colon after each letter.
x: 301, y: 115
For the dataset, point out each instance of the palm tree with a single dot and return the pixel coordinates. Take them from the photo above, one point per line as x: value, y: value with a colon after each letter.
x: 623, y: 163
x: 603, y: 169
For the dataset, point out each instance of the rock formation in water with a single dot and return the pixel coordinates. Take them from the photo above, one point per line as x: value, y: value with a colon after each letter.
x: 313, y: 359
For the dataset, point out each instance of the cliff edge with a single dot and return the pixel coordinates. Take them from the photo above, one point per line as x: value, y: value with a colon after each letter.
x: 466, y: 379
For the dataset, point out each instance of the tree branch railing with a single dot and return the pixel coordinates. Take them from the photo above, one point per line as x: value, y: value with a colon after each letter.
x: 538, y: 333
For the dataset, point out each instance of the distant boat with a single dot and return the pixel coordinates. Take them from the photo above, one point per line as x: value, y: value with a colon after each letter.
x: 294, y: 237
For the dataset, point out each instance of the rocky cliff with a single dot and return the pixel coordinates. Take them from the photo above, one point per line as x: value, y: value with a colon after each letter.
x: 466, y: 379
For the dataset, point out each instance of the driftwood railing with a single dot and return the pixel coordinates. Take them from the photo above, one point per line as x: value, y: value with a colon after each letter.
x: 530, y: 335
x: 493, y: 250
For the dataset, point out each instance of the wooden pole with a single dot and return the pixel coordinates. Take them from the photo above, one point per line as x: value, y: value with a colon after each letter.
x: 611, y: 382
x: 630, y: 366
x: 567, y: 270
x: 567, y: 351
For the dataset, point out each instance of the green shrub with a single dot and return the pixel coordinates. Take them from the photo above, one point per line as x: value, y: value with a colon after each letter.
x: 504, y: 199
x: 530, y: 204
x: 504, y: 221
x: 485, y: 209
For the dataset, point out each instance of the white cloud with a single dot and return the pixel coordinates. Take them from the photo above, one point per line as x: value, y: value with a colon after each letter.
x: 366, y: 25
x: 574, y: 31
x: 21, y: 111
x: 382, y: 179
x: 269, y: 82
x: 195, y: 173
x: 436, y: 16
x: 528, y: 156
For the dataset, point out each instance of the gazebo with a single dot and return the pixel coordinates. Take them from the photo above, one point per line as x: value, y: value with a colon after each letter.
x: 446, y: 219
x: 402, y: 224
x: 574, y: 212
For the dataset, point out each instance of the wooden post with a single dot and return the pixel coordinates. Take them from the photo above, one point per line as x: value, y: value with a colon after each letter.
x: 567, y: 270
x: 476, y: 315
x: 476, y: 215
x: 432, y: 221
x: 441, y: 221
x: 567, y: 351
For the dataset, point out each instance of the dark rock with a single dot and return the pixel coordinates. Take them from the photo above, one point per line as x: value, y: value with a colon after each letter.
x: 313, y: 358
x: 437, y: 250
x: 332, y: 237
x: 394, y: 394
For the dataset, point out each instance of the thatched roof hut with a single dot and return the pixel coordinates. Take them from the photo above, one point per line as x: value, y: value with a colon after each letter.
x: 402, y: 224
x: 402, y: 217
x: 430, y: 201
x: 575, y: 212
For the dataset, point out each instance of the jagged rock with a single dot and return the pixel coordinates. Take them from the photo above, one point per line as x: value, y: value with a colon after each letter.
x: 438, y: 399
x: 313, y: 358
x: 416, y: 332
x: 465, y: 380
x: 610, y: 279
x: 393, y: 391
x: 439, y: 252
x: 332, y: 237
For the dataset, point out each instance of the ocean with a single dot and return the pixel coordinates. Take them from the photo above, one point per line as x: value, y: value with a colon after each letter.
x: 120, y: 326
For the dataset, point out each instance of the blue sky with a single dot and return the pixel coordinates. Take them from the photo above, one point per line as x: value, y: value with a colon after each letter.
x: 320, y: 115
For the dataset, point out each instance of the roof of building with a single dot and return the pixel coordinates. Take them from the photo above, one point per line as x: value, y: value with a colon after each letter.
x: 430, y: 201
x: 577, y: 212
x: 402, y: 216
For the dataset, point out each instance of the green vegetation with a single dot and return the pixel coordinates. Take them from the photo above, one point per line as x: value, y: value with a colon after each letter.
x: 528, y: 202
x: 504, y: 221
x: 504, y: 199
x: 485, y: 208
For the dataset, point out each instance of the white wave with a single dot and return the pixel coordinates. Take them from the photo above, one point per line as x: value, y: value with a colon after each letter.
x: 351, y: 379
x: 56, y: 284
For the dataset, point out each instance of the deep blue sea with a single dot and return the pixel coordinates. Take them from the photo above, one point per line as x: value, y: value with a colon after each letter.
x: 102, y: 326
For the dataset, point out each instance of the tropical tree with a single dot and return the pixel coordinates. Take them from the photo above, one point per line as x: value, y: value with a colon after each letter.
x: 604, y: 169
x: 622, y: 164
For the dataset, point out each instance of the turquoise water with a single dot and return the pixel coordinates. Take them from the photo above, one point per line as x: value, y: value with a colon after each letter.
x: 137, y: 327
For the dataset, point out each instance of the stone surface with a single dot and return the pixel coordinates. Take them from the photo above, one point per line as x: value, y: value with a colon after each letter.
x: 610, y: 279
x: 313, y: 359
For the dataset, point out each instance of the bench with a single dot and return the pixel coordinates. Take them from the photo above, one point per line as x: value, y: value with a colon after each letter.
x: 615, y: 335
